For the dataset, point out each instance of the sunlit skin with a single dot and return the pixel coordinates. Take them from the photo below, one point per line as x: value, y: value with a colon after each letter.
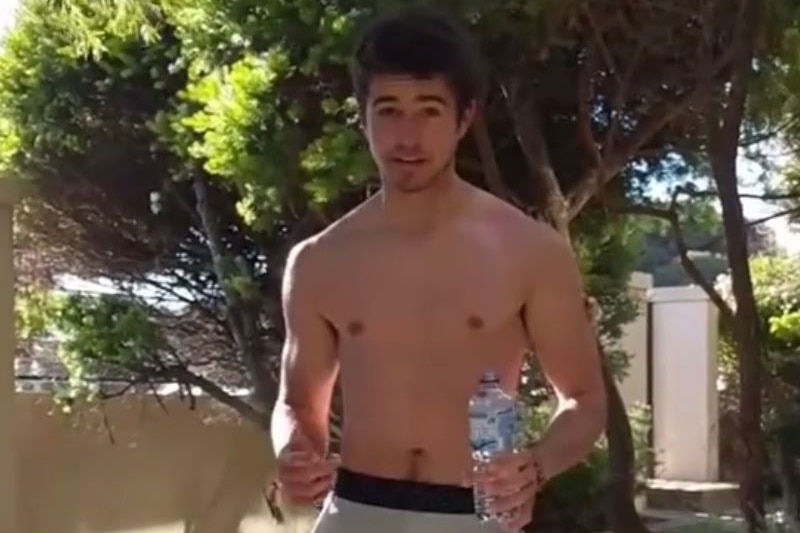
x: 409, y: 299
x: 413, y: 127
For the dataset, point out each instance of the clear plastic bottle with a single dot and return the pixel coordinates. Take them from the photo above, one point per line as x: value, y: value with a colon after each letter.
x: 493, y: 428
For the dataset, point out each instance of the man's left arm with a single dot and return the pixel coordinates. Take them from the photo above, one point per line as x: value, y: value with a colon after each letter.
x: 564, y: 342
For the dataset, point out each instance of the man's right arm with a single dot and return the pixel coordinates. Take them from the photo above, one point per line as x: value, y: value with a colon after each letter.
x: 308, y: 363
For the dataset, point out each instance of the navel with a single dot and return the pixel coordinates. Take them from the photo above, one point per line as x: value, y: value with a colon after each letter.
x: 355, y: 328
x: 417, y: 457
x: 475, y: 322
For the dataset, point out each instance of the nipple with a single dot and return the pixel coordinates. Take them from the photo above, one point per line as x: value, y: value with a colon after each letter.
x: 475, y: 322
x: 355, y: 328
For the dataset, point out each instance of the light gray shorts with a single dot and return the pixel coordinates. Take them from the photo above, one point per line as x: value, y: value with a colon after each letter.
x: 339, y: 515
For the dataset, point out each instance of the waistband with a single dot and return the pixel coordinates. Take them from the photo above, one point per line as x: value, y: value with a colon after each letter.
x: 403, y: 494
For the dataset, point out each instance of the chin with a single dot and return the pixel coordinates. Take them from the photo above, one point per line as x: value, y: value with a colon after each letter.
x: 410, y: 182
x: 410, y: 186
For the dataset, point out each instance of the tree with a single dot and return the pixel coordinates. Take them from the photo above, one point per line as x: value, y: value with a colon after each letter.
x: 776, y: 292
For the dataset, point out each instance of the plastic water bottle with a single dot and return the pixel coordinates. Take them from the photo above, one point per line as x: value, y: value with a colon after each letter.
x: 493, y: 428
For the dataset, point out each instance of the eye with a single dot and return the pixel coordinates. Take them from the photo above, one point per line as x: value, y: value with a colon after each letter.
x: 432, y: 112
x: 387, y: 111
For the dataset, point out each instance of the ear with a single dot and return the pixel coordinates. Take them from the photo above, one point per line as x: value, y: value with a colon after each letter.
x: 467, y: 118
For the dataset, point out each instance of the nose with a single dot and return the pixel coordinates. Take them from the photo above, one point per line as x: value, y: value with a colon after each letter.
x: 408, y: 132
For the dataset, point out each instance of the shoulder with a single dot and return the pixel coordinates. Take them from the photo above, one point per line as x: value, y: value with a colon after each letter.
x: 312, y: 257
x: 525, y: 233
x: 540, y: 252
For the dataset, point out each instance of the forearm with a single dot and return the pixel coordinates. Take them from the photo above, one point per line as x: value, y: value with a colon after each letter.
x: 288, y: 419
x: 571, y: 434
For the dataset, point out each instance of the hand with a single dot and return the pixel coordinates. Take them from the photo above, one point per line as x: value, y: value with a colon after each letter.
x: 510, y: 481
x: 305, y: 477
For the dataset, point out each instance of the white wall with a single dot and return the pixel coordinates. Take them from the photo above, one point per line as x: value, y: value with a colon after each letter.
x: 634, y: 341
x: 685, y: 409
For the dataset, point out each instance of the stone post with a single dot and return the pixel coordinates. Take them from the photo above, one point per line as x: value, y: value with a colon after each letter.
x: 8, y: 195
x: 685, y: 399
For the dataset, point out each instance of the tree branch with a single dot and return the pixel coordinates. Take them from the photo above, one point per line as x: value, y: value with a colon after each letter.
x: 246, y: 410
x: 528, y: 130
x: 645, y: 130
x: 584, y: 116
x: 765, y: 197
x: 491, y: 171
x: 779, y: 214
x: 620, y: 97
x: 601, y: 43
x: 241, y: 318
x: 671, y: 216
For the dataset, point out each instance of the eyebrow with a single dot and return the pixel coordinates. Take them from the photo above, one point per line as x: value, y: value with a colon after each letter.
x: 425, y: 98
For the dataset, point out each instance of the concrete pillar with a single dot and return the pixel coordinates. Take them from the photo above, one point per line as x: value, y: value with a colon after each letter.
x: 7, y: 344
x: 685, y: 402
x: 634, y: 341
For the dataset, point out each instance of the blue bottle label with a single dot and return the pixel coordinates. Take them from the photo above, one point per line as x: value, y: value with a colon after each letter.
x: 493, y: 432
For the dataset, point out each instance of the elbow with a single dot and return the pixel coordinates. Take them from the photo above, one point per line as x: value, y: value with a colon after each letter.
x: 593, y: 406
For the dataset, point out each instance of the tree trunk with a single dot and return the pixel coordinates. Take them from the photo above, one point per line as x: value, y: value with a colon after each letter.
x: 724, y: 119
x: 620, y: 488
x: 748, y: 347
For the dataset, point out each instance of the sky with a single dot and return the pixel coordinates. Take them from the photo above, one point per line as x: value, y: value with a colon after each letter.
x: 786, y: 238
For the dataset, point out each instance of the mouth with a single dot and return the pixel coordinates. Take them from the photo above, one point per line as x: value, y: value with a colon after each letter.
x: 408, y: 160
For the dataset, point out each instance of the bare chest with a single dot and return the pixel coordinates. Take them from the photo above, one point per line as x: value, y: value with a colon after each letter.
x: 451, y: 294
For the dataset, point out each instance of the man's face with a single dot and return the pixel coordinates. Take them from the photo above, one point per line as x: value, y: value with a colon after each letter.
x: 413, y: 129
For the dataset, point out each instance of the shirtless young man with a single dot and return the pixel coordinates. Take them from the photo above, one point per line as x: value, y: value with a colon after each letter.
x: 411, y: 297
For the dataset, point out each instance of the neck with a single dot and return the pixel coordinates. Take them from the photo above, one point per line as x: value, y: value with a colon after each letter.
x: 422, y: 210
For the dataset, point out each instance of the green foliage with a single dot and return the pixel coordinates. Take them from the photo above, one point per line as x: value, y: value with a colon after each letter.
x: 98, y: 336
x: 776, y: 283
x: 607, y: 249
x: 257, y: 112
x: 48, y: 50
x: 33, y: 313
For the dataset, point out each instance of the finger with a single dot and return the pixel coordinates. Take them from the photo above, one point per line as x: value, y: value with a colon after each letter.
x: 514, y: 526
x: 521, y: 518
x: 306, y: 473
x: 480, y: 473
x: 309, y: 490
x: 298, y: 458
x: 508, y: 464
x: 511, y: 501
x: 508, y: 485
x: 324, y: 489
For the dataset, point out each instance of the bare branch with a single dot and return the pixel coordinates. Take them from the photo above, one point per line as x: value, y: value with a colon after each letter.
x: 584, y: 116
x: 671, y: 216
x: 779, y: 214
x: 528, y: 129
x: 601, y: 43
x: 491, y: 171
x: 766, y: 197
x: 750, y: 223
x: 771, y: 133
x: 246, y: 410
x: 627, y: 149
x: 240, y: 314
x: 620, y: 97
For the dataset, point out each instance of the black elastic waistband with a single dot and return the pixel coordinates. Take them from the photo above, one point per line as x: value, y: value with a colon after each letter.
x: 403, y: 494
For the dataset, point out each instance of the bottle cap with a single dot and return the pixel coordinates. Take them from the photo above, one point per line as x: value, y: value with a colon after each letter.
x: 489, y: 377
